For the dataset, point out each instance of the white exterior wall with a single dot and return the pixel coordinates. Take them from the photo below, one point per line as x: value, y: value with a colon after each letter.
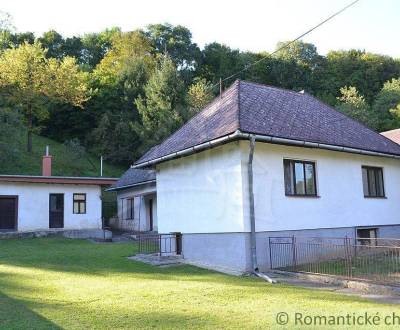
x: 201, y: 193
x: 208, y: 192
x: 33, y: 205
x: 141, y: 212
x: 340, y: 201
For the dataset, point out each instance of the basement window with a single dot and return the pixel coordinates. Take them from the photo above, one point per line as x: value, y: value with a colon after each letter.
x: 367, y: 236
x: 79, y: 203
x: 299, y: 178
x: 373, y: 181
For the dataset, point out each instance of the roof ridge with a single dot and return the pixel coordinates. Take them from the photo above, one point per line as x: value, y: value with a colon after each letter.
x: 239, y: 126
x: 273, y: 87
x: 353, y: 120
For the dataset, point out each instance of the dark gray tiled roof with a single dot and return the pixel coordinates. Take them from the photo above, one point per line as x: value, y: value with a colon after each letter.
x: 265, y: 110
x: 134, y: 177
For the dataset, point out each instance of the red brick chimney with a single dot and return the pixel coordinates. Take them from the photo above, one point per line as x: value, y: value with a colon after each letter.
x: 46, y: 163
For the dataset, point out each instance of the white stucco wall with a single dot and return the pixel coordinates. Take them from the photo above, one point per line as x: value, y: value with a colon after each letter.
x: 33, y: 205
x: 201, y: 193
x: 340, y: 201
x: 208, y: 192
x: 142, y: 216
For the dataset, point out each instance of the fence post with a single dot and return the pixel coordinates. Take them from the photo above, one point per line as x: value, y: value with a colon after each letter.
x: 348, y: 257
x: 270, y: 252
x: 159, y: 238
x: 294, y: 251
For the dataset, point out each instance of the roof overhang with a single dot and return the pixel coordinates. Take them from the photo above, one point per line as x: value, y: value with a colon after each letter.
x: 99, y: 181
x: 133, y: 185
x: 238, y: 135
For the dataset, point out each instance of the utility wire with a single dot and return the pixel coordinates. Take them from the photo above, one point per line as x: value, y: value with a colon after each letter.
x: 285, y: 45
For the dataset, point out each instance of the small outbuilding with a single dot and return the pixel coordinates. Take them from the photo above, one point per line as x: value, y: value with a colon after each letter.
x: 51, y: 203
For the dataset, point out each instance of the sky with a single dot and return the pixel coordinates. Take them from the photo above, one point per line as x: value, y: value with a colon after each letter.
x: 253, y: 25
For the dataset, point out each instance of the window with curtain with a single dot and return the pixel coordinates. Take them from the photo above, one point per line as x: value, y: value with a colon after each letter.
x: 299, y: 178
x: 373, y: 181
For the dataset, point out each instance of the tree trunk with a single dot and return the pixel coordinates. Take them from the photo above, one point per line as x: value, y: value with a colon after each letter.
x: 30, y: 126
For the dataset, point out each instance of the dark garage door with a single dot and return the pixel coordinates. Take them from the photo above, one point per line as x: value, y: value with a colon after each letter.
x: 8, y: 212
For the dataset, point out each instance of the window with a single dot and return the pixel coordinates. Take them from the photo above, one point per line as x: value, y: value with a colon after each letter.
x: 299, y: 178
x: 373, y: 181
x: 79, y: 203
x: 130, y: 208
x: 367, y: 236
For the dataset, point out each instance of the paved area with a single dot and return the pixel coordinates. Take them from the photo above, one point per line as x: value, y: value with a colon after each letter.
x: 385, y: 296
x: 156, y: 260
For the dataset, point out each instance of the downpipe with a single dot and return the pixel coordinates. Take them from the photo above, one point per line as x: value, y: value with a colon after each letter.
x: 254, y: 264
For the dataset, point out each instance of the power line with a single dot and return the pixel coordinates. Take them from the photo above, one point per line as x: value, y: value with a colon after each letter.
x: 285, y: 45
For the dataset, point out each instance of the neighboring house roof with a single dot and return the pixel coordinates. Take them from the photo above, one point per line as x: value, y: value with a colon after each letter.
x: 393, y: 135
x: 99, y: 181
x: 134, y: 177
x: 251, y: 108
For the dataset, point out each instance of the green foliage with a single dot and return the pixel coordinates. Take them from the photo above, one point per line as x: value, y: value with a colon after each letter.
x: 65, y: 162
x: 144, y: 84
x: 30, y: 80
x: 387, y: 104
x: 176, y: 42
x: 10, y: 126
x: 162, y: 108
x: 354, y: 105
x: 199, y: 95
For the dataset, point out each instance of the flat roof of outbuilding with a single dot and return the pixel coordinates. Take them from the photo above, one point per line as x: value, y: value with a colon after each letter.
x: 99, y: 181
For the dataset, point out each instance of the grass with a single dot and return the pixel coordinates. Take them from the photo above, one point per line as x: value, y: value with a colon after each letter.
x: 381, y: 266
x: 75, y: 284
x: 65, y: 163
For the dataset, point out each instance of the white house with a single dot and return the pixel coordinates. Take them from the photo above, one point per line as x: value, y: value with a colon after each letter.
x: 313, y: 171
x: 137, y: 201
x: 51, y: 203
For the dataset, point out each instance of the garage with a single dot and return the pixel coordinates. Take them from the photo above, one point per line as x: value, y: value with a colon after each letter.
x: 8, y: 212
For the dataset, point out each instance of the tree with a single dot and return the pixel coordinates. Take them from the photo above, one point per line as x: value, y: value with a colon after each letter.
x: 199, y: 95
x: 31, y: 80
x: 54, y: 43
x: 219, y: 61
x: 354, y: 105
x: 365, y: 71
x: 163, y: 107
x: 96, y: 45
x: 302, y: 52
x: 387, y: 105
x: 176, y: 41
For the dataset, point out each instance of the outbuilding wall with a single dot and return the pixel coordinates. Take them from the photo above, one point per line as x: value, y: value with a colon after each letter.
x: 33, y: 205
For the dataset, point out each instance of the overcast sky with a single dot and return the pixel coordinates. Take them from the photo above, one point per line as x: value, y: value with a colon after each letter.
x: 255, y: 25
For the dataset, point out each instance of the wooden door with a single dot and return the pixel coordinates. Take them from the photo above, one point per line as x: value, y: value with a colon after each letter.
x: 8, y: 212
x: 56, y: 211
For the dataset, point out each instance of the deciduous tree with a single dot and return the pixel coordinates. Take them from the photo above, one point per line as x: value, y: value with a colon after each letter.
x: 31, y: 80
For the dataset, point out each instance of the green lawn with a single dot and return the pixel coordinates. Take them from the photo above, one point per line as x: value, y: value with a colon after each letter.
x: 76, y: 284
x: 65, y: 162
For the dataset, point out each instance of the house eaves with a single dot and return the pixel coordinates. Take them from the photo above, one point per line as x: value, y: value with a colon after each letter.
x: 238, y: 135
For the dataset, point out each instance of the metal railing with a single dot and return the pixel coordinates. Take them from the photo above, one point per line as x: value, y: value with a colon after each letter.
x: 161, y: 244
x: 376, y: 260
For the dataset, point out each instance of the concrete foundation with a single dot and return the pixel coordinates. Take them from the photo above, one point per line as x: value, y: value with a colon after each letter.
x: 225, y: 252
x: 80, y: 234
x: 230, y: 252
